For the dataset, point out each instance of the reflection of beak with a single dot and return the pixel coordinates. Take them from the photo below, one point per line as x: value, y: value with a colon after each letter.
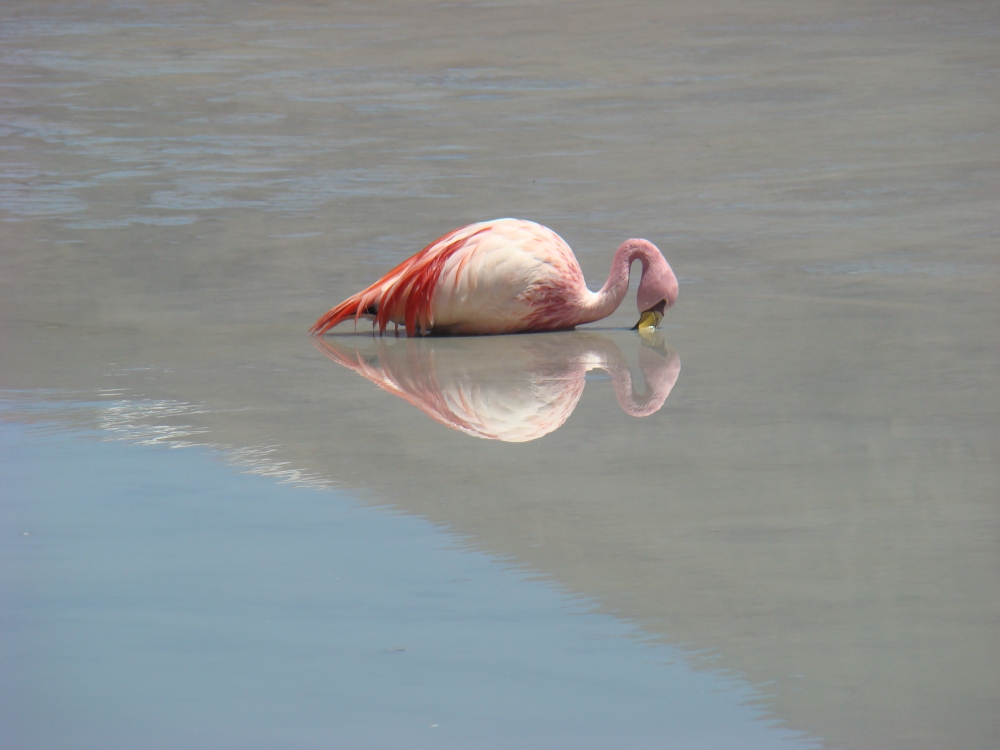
x: 653, y: 339
x: 648, y: 320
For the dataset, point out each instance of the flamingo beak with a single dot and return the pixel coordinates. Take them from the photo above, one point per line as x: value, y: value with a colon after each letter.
x: 650, y: 318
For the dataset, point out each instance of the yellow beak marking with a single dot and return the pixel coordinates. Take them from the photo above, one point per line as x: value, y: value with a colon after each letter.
x: 649, y: 320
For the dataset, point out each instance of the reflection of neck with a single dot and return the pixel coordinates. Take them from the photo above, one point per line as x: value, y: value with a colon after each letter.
x: 660, y: 374
x: 604, y: 302
x: 660, y: 369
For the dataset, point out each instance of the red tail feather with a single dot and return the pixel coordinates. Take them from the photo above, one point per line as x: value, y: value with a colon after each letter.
x: 348, y: 308
x: 409, y: 285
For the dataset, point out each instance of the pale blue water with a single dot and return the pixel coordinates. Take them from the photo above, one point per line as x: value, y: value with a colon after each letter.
x: 158, y: 598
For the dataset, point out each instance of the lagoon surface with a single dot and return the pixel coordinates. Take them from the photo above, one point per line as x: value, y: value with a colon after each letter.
x: 772, y: 523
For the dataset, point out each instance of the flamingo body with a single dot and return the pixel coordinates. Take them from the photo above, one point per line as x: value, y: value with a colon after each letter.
x: 500, y: 276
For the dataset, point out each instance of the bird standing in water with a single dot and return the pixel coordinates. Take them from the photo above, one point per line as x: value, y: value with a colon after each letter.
x: 505, y: 276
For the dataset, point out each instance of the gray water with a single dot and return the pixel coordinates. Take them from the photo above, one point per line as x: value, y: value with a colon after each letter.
x: 809, y: 516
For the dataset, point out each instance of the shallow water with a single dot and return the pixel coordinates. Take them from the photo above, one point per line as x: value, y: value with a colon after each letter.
x: 808, y: 502
x: 205, y: 609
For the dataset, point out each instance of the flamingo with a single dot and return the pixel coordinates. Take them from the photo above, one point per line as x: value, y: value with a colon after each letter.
x: 505, y: 276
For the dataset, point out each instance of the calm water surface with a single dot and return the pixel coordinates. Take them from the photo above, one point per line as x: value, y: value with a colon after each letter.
x: 775, y: 522
x: 160, y: 601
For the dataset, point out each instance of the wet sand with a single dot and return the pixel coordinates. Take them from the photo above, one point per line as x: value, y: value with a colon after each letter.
x: 815, y: 504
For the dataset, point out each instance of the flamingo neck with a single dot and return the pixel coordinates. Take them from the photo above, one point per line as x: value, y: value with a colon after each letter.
x: 604, y: 302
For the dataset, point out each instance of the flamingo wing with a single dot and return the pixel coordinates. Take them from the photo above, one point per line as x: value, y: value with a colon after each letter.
x: 492, y: 277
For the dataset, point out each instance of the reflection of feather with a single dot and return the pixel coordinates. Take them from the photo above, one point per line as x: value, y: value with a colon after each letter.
x: 513, y: 389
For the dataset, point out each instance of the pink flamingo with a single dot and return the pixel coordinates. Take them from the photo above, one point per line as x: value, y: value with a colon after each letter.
x: 505, y: 276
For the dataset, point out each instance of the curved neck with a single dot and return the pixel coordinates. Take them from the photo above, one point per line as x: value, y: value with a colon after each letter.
x: 606, y: 301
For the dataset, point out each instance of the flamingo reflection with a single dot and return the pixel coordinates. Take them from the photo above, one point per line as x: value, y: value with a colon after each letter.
x: 510, y: 388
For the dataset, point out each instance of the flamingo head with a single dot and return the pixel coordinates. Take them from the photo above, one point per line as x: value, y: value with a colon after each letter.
x: 658, y: 287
